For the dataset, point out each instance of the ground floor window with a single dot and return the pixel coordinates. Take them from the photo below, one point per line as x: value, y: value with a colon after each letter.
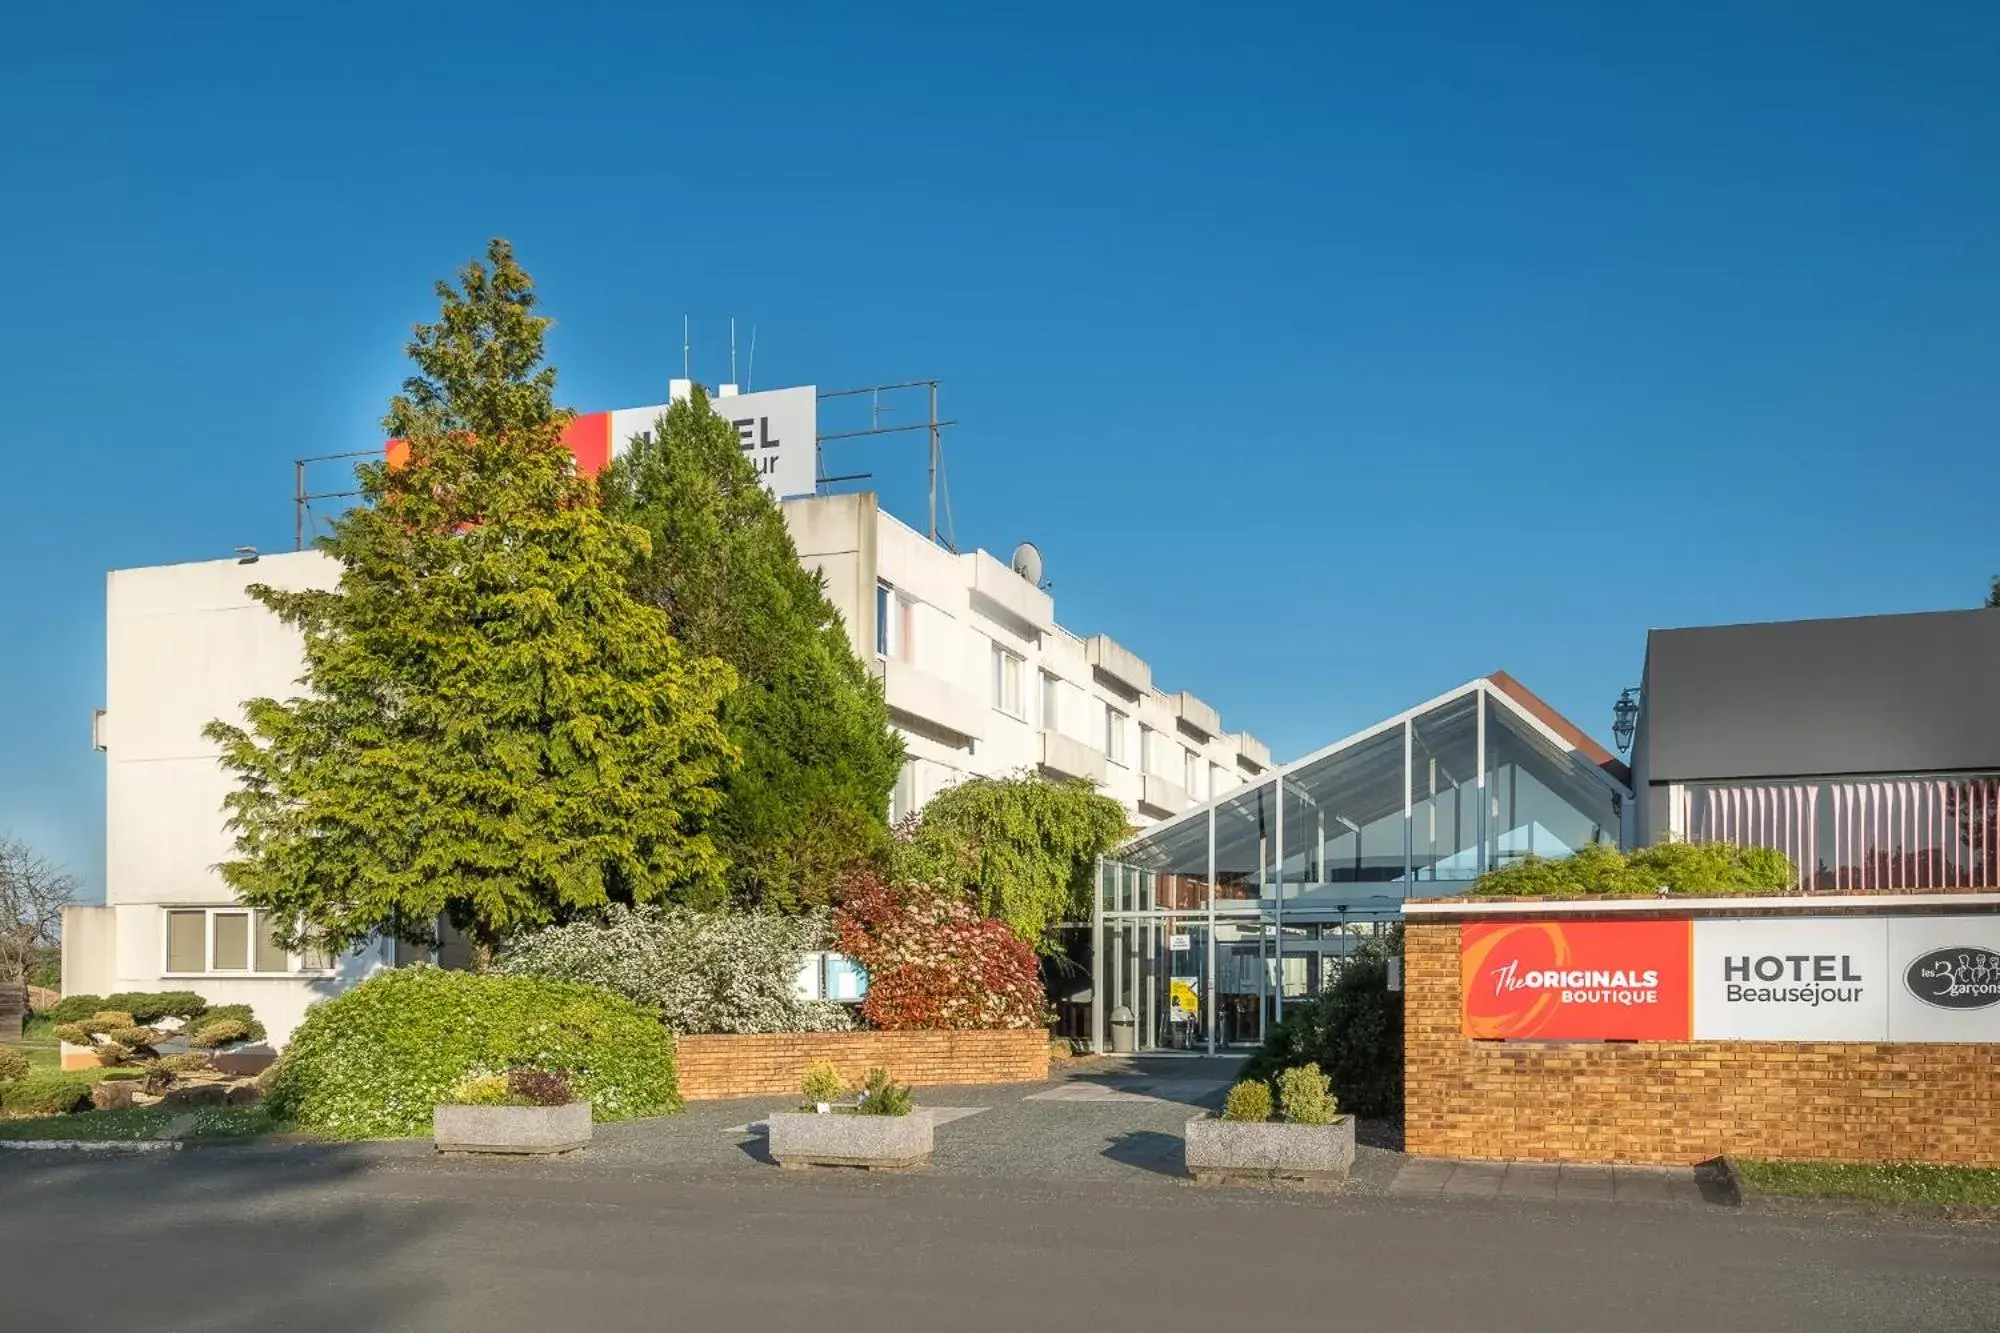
x: 210, y: 941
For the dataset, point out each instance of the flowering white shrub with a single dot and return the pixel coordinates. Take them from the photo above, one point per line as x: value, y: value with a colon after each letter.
x: 702, y: 971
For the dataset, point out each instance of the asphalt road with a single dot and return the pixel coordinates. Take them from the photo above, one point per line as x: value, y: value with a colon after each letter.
x: 222, y: 1240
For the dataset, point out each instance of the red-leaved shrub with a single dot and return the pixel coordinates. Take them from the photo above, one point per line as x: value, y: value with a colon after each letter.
x: 933, y: 961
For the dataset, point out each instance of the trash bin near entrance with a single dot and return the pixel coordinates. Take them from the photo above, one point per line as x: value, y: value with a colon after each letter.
x: 1124, y: 1031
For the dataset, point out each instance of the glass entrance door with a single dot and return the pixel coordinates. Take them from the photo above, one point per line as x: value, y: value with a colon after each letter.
x: 1241, y: 982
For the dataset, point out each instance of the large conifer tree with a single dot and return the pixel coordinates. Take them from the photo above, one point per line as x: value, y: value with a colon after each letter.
x: 494, y: 728
x: 810, y: 799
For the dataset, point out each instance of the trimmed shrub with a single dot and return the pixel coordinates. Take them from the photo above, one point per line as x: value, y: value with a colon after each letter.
x: 700, y: 971
x: 1688, y: 869
x: 879, y: 1096
x: 125, y: 1074
x: 72, y: 1008
x: 158, y: 1080
x: 148, y: 1006
x: 134, y: 1036
x: 541, y: 1087
x: 186, y: 1062
x: 13, y: 1064
x: 1248, y: 1100
x: 111, y: 1053
x: 821, y: 1083
x: 372, y: 1062
x: 1305, y: 1096
x: 107, y: 1021
x: 46, y: 1093
x: 76, y: 1034
x: 211, y: 1033
x: 934, y: 962
x: 1353, y: 1031
x: 235, y: 1013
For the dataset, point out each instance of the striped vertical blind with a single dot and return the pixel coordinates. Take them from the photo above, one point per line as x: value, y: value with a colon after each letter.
x: 1882, y: 835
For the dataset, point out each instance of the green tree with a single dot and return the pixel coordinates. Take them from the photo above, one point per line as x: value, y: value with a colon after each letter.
x: 809, y: 802
x: 494, y: 729
x: 1025, y: 847
x: 1993, y: 594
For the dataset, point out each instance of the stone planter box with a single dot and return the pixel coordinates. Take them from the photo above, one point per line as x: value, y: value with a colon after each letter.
x: 875, y: 1142
x: 1225, y: 1152
x: 511, y: 1129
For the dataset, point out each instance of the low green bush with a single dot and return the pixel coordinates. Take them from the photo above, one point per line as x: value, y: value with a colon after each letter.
x: 232, y: 1013
x: 185, y: 1062
x: 1353, y: 1031
x: 150, y: 1006
x: 371, y: 1063
x: 210, y: 1033
x: 124, y: 1074
x: 1676, y: 869
x: 134, y: 1036
x: 107, y: 1021
x: 1305, y: 1096
x: 879, y: 1096
x: 72, y: 1008
x: 76, y: 1034
x: 821, y: 1083
x: 111, y: 1053
x: 47, y: 1093
x: 1249, y: 1100
x: 485, y: 1090
x: 13, y: 1064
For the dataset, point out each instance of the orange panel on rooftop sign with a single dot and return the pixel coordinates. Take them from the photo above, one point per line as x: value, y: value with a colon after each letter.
x: 1576, y: 980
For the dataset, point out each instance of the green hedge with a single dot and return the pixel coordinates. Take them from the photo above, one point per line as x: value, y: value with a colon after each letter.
x: 371, y: 1063
x: 47, y: 1093
x: 144, y: 1006
x: 1687, y: 869
x: 1353, y: 1031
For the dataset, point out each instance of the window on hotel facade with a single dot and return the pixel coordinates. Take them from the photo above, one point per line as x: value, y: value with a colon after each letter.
x: 895, y: 624
x: 1149, y: 747
x: 1114, y: 735
x: 1194, y: 775
x: 204, y: 940
x: 1051, y: 703
x: 903, y: 800
x: 1007, y: 682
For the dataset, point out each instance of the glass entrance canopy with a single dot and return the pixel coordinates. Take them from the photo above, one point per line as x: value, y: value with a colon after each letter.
x: 1206, y: 924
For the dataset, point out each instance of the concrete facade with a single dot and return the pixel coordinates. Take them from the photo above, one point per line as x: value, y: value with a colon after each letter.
x: 982, y: 681
x: 186, y: 644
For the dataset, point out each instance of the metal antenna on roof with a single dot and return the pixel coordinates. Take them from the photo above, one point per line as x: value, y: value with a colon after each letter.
x: 686, y: 374
x: 732, y: 349
x: 750, y: 371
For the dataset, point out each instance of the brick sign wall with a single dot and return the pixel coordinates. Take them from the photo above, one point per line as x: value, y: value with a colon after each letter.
x: 756, y: 1065
x: 1679, y: 1101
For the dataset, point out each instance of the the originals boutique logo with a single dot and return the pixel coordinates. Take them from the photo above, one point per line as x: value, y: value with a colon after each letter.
x: 1956, y: 978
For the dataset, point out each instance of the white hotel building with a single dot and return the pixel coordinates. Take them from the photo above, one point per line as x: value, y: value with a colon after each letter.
x: 978, y: 676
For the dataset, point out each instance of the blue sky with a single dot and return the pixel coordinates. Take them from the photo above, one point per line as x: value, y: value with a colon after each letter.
x: 1332, y: 355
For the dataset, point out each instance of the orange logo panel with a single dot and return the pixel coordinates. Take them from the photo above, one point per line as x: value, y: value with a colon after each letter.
x: 1577, y: 981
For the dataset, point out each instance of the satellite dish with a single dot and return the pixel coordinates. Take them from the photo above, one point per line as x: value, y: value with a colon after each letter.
x: 1028, y: 563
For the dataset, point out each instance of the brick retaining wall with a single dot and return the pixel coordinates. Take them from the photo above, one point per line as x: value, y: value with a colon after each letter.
x: 762, y: 1064
x: 1680, y: 1102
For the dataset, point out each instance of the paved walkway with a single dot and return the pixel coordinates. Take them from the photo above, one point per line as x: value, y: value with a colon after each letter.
x: 1563, y: 1182
x: 1120, y: 1119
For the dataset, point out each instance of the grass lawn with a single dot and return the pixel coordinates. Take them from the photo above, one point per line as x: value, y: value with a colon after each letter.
x: 38, y: 1042
x: 1888, y: 1183
x: 218, y: 1123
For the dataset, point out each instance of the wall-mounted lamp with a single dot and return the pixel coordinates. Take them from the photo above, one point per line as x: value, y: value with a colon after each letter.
x: 1625, y: 718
